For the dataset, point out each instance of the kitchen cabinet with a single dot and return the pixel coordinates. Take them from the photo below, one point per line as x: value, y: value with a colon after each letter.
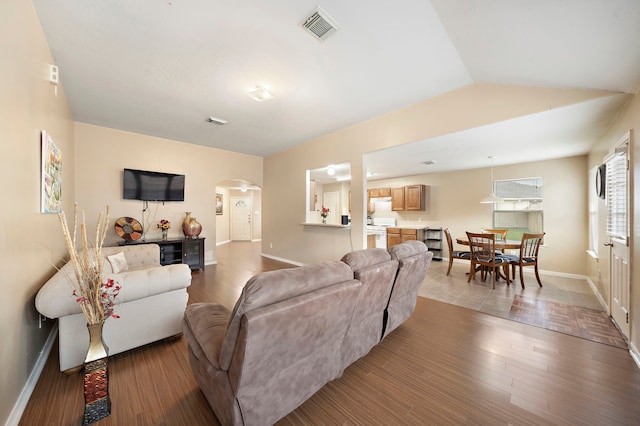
x: 400, y: 235
x: 379, y: 192
x: 414, y: 197
x: 408, y: 234
x: 397, y: 199
x: 393, y: 237
x: 408, y: 198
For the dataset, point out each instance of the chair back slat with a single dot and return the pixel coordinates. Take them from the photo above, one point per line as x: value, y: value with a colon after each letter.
x: 483, y: 253
x: 500, y: 234
x: 530, y: 245
x: 483, y: 246
x: 447, y: 234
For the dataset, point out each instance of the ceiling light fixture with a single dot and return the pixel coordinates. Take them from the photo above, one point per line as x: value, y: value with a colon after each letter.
x: 492, y: 198
x: 331, y: 171
x: 260, y: 93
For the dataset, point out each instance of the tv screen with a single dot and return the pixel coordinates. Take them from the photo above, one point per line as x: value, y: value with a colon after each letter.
x: 152, y: 186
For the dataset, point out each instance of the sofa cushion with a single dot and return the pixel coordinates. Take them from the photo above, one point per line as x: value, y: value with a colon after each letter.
x: 273, y: 286
x: 55, y: 299
x: 204, y: 326
x: 136, y: 255
x: 118, y: 262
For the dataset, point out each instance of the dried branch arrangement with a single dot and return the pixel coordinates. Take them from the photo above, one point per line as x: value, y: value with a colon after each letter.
x: 94, y: 296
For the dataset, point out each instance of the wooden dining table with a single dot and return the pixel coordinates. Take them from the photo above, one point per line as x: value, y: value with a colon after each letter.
x: 499, y: 245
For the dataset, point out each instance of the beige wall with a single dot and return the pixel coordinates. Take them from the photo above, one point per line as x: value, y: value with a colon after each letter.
x: 102, y: 153
x: 468, y: 107
x: 453, y: 201
x: 30, y: 242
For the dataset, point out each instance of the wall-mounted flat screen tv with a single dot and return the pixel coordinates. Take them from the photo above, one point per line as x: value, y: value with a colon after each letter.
x: 152, y: 186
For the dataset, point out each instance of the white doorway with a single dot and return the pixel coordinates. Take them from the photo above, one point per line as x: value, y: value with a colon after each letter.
x: 330, y: 200
x: 241, y: 218
x: 618, y: 221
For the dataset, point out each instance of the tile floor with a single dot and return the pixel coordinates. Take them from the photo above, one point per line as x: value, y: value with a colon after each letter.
x: 566, y: 305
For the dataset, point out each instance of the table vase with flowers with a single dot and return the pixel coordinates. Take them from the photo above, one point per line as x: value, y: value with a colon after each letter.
x: 324, y: 213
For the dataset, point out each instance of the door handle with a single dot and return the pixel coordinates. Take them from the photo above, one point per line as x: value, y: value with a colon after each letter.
x: 608, y: 244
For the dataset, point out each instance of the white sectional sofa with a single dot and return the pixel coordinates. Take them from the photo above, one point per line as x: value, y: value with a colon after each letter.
x: 151, y: 303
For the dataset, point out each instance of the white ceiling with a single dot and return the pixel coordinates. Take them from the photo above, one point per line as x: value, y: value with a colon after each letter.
x: 162, y: 68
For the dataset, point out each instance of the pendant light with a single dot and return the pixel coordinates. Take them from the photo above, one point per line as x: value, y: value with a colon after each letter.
x: 492, y: 198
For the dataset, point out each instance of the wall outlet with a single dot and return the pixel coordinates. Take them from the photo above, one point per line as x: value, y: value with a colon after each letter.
x: 270, y: 245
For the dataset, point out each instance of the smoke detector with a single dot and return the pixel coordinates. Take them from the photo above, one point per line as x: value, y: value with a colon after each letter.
x: 319, y: 24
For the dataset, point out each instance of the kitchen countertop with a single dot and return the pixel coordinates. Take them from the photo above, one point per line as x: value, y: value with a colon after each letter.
x: 415, y: 226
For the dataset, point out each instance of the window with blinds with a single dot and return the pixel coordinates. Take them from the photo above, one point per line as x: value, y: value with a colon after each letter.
x: 616, y: 195
x: 521, y: 209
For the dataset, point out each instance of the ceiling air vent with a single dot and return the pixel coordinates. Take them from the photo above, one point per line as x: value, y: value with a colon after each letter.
x: 320, y: 25
x: 218, y: 121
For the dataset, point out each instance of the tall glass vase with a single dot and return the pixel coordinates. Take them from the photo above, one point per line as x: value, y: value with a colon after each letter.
x: 97, y: 404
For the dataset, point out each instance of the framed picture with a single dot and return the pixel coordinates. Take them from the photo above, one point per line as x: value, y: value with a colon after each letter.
x: 51, y: 176
x: 219, y: 204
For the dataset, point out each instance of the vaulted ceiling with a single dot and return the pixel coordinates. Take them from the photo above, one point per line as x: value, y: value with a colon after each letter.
x: 162, y: 68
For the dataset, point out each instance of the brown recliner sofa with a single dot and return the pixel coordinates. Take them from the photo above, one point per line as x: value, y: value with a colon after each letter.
x: 291, y: 332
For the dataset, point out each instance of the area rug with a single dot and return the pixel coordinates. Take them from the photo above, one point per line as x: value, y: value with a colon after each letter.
x: 577, y: 321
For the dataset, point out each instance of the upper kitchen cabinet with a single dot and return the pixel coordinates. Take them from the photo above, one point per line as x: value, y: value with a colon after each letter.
x: 414, y: 197
x: 379, y: 192
x: 397, y: 199
x: 408, y: 198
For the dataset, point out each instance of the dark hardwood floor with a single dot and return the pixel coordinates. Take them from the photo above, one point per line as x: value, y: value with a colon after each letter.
x: 445, y: 365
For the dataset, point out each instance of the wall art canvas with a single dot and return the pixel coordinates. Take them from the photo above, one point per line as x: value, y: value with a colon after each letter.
x: 219, y: 204
x: 51, y: 192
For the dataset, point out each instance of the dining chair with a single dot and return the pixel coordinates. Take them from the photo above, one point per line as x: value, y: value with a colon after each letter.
x: 454, y: 254
x: 529, y: 247
x: 484, y: 257
x: 499, y: 233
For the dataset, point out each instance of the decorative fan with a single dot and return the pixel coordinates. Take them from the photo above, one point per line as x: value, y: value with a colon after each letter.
x: 128, y: 228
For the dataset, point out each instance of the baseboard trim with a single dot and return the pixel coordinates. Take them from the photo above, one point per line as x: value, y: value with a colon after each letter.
x: 30, y: 385
x: 280, y: 259
x: 635, y: 355
x: 531, y: 270
x: 603, y: 303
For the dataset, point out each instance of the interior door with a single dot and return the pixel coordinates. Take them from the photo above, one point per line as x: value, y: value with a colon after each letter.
x: 330, y: 200
x: 240, y: 219
x: 618, y: 226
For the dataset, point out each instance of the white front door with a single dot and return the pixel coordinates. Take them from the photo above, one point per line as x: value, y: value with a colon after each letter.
x: 240, y: 219
x: 618, y: 202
